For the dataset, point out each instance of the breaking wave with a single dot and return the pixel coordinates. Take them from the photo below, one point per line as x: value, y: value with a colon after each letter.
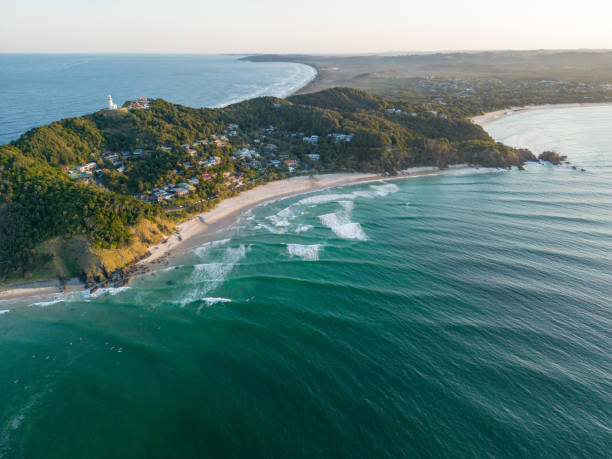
x: 209, y: 301
x: 207, y: 276
x: 384, y: 190
x: 302, y: 228
x: 305, y: 252
x: 205, y: 248
x: 342, y: 226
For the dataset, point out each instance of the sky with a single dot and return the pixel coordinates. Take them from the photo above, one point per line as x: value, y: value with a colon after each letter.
x: 288, y: 26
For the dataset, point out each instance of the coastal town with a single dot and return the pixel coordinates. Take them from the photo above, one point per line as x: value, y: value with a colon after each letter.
x: 228, y: 161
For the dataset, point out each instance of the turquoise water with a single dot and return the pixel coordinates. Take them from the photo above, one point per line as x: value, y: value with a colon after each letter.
x: 37, y: 89
x: 460, y: 315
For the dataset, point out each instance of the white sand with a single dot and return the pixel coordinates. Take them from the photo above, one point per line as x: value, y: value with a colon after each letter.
x: 491, y: 117
x: 36, y: 288
x: 221, y: 215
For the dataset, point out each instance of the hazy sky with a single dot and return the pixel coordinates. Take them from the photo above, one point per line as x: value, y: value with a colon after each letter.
x: 312, y: 26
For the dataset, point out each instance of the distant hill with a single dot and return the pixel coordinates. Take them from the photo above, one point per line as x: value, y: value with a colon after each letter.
x: 395, y: 75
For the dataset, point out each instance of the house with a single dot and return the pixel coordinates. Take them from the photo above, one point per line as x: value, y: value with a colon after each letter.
x: 270, y: 148
x: 275, y: 162
x: 314, y: 156
x: 113, y: 158
x: 246, y: 153
x: 85, y: 168
x: 186, y: 186
x: 166, y: 148
x: 341, y: 137
x: 212, y: 161
x: 193, y: 181
x: 207, y: 176
x: 141, y: 103
x: 233, y: 126
x: 180, y: 191
x: 292, y: 164
x: 313, y: 139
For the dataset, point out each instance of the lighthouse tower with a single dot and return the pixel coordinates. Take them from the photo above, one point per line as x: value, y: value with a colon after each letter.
x: 111, y: 105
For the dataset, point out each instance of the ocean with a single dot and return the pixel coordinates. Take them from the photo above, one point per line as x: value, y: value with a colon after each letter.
x: 37, y: 89
x: 461, y: 315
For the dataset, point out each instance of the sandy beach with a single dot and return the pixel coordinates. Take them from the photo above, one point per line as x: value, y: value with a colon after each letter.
x: 228, y: 210
x: 39, y: 288
x: 497, y: 115
x: 219, y: 218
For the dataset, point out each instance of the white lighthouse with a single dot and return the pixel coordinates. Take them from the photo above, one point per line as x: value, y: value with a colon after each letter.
x: 111, y: 105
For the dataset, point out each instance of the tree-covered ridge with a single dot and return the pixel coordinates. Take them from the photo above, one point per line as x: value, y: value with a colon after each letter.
x: 39, y: 203
x: 188, y: 159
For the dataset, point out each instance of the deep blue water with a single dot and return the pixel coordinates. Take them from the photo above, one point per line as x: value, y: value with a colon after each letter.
x: 37, y: 89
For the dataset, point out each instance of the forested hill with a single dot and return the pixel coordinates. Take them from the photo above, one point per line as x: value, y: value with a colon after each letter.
x: 87, y: 195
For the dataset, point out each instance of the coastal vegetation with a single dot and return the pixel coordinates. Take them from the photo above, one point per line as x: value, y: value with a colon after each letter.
x: 552, y: 157
x: 86, y: 196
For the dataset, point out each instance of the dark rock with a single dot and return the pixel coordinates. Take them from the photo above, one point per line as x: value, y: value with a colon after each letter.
x: 552, y: 157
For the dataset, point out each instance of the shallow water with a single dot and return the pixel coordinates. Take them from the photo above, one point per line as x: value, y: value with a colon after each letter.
x: 460, y: 315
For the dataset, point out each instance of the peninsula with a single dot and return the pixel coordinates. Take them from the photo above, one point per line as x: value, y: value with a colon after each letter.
x: 87, y: 196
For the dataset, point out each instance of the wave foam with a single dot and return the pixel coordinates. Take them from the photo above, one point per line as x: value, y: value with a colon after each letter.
x: 343, y: 227
x: 204, y: 248
x: 323, y: 198
x: 302, y: 228
x: 44, y: 304
x: 334, y: 219
x: 4, y: 311
x: 386, y: 189
x: 347, y: 205
x: 305, y: 252
x: 350, y: 231
x: 110, y: 291
x: 207, y: 276
x: 209, y: 301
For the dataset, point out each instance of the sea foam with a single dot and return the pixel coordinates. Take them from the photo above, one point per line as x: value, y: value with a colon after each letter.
x: 207, y: 276
x: 209, y: 301
x: 302, y: 228
x: 384, y: 190
x: 343, y: 227
x: 205, y: 248
x: 305, y: 252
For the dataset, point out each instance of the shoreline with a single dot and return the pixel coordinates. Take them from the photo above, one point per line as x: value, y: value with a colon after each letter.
x: 227, y: 211
x: 222, y: 217
x: 213, y: 221
x: 313, y: 81
x: 498, y: 115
